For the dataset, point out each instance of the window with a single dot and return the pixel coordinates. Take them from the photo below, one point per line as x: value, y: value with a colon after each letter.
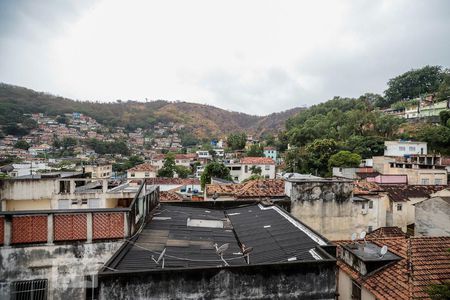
x: 425, y: 181
x: 412, y: 148
x: 438, y: 181
x: 84, y: 201
x: 246, y: 169
x: 267, y: 167
x: 356, y: 291
x: 132, y: 175
x: 399, y: 206
x: 30, y: 289
x: 370, y: 229
x: 147, y: 174
x: 370, y: 204
x: 363, y: 205
x: 401, y: 148
x: 74, y: 202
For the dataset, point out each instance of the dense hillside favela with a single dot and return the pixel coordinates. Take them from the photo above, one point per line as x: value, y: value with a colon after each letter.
x: 177, y: 200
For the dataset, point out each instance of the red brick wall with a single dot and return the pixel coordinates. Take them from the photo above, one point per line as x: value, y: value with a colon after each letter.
x: 2, y: 230
x: 29, y: 229
x: 70, y: 227
x: 107, y: 225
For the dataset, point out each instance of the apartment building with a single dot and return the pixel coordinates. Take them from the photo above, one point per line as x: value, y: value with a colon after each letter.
x: 247, y: 166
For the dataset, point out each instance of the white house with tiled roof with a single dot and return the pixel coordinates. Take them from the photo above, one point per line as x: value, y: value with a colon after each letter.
x: 243, y: 169
x: 142, y: 171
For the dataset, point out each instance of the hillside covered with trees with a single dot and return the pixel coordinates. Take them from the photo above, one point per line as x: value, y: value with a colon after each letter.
x: 347, y: 126
x: 204, y: 121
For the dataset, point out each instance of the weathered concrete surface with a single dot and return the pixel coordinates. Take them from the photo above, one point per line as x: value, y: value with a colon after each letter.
x: 65, y: 266
x: 325, y: 206
x: 433, y: 217
x: 288, y: 281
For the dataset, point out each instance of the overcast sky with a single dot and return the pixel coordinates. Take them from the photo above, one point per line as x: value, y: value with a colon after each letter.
x: 256, y: 56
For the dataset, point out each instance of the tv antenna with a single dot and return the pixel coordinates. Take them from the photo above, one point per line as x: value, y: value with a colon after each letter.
x: 246, y: 252
x: 161, y: 257
x: 383, y: 251
x: 221, y: 250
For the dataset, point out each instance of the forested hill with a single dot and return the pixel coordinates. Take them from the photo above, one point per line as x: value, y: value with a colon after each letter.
x: 202, y: 120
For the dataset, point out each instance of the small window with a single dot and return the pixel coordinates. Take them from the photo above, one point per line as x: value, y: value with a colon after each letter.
x: 246, y: 169
x: 412, y: 148
x: 370, y: 229
x: 401, y: 148
x: 370, y: 204
x: 147, y: 174
x: 74, y: 202
x: 363, y: 205
x: 425, y: 181
x: 267, y: 167
x: 30, y: 289
x: 356, y: 291
x: 399, y: 206
x: 132, y: 175
x: 438, y: 181
x: 84, y: 201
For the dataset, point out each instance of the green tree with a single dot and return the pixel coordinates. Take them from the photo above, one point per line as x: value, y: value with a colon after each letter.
x: 439, y: 291
x: 214, y: 169
x: 445, y: 117
x: 366, y: 146
x: 236, y: 141
x: 415, y: 83
x: 437, y: 137
x: 252, y: 177
x: 255, y: 151
x: 319, y: 152
x: 344, y: 159
x: 168, y: 169
x: 22, y: 144
x: 182, y: 171
x: 256, y: 170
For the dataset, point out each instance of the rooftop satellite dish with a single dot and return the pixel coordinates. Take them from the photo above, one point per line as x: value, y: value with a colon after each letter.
x: 383, y: 251
x: 353, y: 236
x: 246, y: 252
x: 362, y: 235
x: 221, y: 250
x: 161, y: 256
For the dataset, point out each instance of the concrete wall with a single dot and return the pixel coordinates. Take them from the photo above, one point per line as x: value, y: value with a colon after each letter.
x: 65, y: 266
x: 400, y: 148
x: 27, y: 189
x: 325, y: 206
x: 282, y: 281
x: 433, y: 217
x: 345, y: 288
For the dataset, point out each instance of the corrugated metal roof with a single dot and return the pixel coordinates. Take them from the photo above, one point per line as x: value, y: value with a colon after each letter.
x: 272, y: 233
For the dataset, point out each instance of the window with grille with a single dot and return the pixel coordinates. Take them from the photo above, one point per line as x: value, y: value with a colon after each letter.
x: 30, y: 289
x: 356, y: 291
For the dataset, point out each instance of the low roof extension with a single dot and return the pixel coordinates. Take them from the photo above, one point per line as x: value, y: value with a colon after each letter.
x: 191, y: 235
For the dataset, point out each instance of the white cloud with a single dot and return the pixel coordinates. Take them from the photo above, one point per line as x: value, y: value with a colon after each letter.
x: 252, y: 56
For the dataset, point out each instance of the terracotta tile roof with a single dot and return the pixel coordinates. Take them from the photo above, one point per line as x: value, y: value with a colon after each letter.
x: 252, y: 189
x: 396, y: 192
x: 169, y: 196
x: 269, y: 148
x: 403, y: 192
x: 362, y: 187
x: 426, y: 260
x: 173, y: 181
x: 387, y: 232
x: 257, y: 161
x: 145, y: 167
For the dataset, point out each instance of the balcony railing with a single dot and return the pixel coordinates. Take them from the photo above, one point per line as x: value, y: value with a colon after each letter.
x: 84, y: 225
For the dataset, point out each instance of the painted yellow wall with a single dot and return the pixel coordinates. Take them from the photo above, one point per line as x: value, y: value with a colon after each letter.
x: 13, y: 205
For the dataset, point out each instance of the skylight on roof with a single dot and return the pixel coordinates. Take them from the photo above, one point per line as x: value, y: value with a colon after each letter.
x: 204, y: 223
